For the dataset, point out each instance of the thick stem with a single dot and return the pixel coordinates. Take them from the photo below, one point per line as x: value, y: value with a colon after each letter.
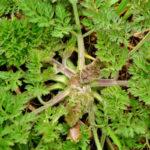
x: 76, y: 15
x: 81, y: 51
x: 109, y: 82
x: 62, y: 68
x: 81, y: 47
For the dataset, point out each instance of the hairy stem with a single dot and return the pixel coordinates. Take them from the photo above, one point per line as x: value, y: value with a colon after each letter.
x: 81, y: 47
x: 109, y: 82
x: 61, y: 68
x: 55, y: 100
x: 81, y: 50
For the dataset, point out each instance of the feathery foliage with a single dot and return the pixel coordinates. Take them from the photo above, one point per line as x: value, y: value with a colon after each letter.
x: 91, y: 59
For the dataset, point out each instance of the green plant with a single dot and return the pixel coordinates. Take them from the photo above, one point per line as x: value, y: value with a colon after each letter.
x: 48, y: 105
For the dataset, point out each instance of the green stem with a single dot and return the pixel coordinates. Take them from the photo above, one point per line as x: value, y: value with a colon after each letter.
x: 50, y: 88
x: 94, y: 129
x: 41, y: 100
x: 88, y: 33
x: 56, y: 86
x: 76, y: 15
x: 97, y: 96
x: 60, y: 78
x: 99, y: 147
x: 81, y: 47
x: 140, y: 44
x: 74, y: 33
x: 113, y: 136
x: 103, y: 138
x: 70, y: 65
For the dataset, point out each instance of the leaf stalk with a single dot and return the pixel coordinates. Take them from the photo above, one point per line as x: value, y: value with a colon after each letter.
x: 80, y: 40
x: 55, y: 100
x: 147, y: 37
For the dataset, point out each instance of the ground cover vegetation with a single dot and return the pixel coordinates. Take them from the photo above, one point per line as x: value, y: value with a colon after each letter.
x: 74, y: 74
